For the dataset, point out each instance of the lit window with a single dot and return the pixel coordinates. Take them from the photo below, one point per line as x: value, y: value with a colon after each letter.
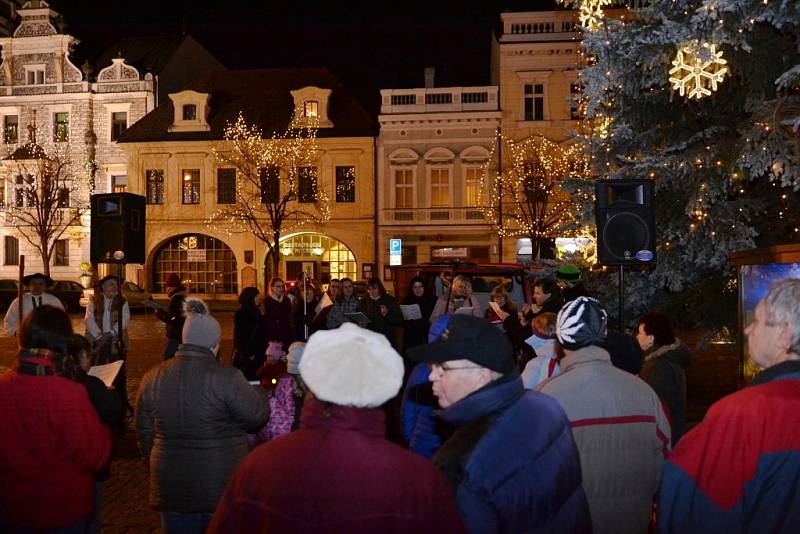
x: 311, y: 108
x: 473, y: 189
x: 403, y: 188
x: 61, y: 127
x: 440, y: 188
x: 191, y: 186
x: 119, y: 183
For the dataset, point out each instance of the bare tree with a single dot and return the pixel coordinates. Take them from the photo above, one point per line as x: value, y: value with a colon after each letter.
x: 48, y: 195
x: 522, y: 195
x: 276, y: 189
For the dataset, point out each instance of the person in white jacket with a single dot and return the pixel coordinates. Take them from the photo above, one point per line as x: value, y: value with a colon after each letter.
x: 543, y: 341
x: 37, y: 283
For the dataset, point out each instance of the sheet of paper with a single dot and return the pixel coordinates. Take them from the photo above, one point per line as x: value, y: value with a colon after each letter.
x: 107, y: 373
x: 466, y: 310
x: 357, y: 317
x: 411, y: 311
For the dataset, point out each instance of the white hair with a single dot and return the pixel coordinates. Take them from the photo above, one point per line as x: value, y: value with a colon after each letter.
x: 782, y: 305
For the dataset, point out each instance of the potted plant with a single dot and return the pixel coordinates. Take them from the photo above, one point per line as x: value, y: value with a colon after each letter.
x: 86, y: 274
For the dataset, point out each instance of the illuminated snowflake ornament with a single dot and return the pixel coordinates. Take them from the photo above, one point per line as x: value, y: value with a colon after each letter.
x: 591, y: 13
x: 697, y: 70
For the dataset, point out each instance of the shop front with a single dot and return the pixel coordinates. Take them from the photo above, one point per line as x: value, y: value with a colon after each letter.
x: 318, y: 256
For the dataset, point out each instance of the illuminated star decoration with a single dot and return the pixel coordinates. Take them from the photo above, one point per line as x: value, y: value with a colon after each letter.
x: 697, y: 71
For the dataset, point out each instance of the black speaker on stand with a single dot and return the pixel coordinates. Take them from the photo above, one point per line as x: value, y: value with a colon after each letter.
x: 117, y: 233
x: 626, y: 227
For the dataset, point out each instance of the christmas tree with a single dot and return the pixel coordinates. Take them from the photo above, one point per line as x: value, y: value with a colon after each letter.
x: 702, y: 97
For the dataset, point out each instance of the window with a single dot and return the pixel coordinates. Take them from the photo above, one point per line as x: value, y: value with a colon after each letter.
x: 61, y: 127
x: 534, y: 102
x: 307, y: 190
x: 119, y: 123
x: 206, y: 264
x: 119, y: 183
x: 189, y: 112
x: 576, y: 103
x: 473, y: 186
x: 61, y: 256
x: 226, y: 186
x: 403, y: 188
x: 23, y: 191
x: 11, y: 256
x: 63, y: 198
x: 10, y: 128
x: 191, y: 186
x: 270, y: 184
x: 34, y: 75
x: 155, y: 186
x: 311, y: 109
x: 345, y: 184
x: 440, y: 188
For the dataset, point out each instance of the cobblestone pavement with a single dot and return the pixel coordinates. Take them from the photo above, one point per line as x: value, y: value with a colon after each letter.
x: 125, y: 510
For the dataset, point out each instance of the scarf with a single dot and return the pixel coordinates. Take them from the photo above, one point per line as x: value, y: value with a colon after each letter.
x: 40, y: 362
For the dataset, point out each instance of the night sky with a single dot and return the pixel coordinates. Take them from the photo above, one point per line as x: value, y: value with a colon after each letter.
x: 369, y: 45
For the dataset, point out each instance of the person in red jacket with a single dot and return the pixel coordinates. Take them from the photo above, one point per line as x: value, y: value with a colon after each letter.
x: 51, y: 439
x: 338, y: 473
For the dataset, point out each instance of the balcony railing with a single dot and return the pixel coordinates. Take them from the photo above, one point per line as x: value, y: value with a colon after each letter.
x: 432, y: 216
x: 439, y: 99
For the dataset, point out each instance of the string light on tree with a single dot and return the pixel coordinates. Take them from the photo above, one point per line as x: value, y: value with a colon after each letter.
x: 697, y: 70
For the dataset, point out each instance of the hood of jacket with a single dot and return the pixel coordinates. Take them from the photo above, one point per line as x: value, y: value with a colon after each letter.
x: 676, y: 352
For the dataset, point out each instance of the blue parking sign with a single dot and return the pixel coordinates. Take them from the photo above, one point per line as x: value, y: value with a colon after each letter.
x: 395, y: 246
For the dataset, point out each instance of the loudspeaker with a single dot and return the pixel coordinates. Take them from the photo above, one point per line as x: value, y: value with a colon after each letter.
x: 626, y: 222
x: 118, y: 221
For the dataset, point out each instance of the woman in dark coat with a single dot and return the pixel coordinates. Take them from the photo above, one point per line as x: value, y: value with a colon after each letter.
x: 416, y: 330
x: 382, y: 311
x: 275, y: 311
x: 248, y: 337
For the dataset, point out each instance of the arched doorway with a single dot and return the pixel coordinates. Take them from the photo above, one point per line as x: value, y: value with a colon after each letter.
x: 318, y: 255
x: 205, y: 264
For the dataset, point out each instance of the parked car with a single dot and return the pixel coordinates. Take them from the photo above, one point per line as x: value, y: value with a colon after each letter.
x: 9, y: 290
x: 68, y: 292
x: 134, y: 294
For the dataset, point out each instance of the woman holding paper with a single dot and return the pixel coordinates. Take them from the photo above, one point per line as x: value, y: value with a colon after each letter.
x: 503, y: 313
x: 457, y: 297
x: 416, y: 330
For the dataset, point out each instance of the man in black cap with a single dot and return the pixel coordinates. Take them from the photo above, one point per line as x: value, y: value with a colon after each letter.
x: 511, y: 460
x: 37, y: 283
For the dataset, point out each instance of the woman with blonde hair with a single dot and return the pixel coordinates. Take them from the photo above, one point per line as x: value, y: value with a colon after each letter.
x: 458, y: 295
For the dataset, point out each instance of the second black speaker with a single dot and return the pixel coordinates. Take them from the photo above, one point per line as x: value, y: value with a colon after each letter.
x: 625, y: 218
x: 118, y: 223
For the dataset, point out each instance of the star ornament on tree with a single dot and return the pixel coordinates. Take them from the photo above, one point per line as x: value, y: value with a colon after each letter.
x: 697, y: 69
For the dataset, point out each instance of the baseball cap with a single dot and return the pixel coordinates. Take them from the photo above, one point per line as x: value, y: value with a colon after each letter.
x: 465, y: 337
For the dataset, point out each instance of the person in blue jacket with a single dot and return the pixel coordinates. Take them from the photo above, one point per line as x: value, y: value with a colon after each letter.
x: 420, y: 429
x: 739, y: 470
x: 511, y: 460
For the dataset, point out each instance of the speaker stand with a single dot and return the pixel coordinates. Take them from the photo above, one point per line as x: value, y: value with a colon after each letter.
x: 621, y: 300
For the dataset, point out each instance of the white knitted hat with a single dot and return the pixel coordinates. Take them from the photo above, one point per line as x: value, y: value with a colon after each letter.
x: 351, y: 366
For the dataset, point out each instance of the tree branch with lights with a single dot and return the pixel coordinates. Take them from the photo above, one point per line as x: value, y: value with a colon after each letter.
x: 49, y: 193
x: 277, y: 190
x: 523, y: 197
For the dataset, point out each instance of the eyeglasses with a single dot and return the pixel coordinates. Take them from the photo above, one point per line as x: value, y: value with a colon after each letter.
x: 441, y: 369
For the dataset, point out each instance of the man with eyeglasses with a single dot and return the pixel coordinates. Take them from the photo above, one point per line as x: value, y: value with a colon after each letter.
x: 511, y: 460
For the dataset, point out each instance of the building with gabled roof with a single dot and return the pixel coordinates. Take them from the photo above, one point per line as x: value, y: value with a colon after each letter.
x: 171, y: 162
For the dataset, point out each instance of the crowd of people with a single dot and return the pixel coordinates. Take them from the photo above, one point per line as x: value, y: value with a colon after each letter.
x: 512, y: 420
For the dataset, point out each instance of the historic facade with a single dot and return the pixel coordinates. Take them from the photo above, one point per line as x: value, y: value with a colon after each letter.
x: 171, y: 161
x: 79, y: 118
x: 432, y: 147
